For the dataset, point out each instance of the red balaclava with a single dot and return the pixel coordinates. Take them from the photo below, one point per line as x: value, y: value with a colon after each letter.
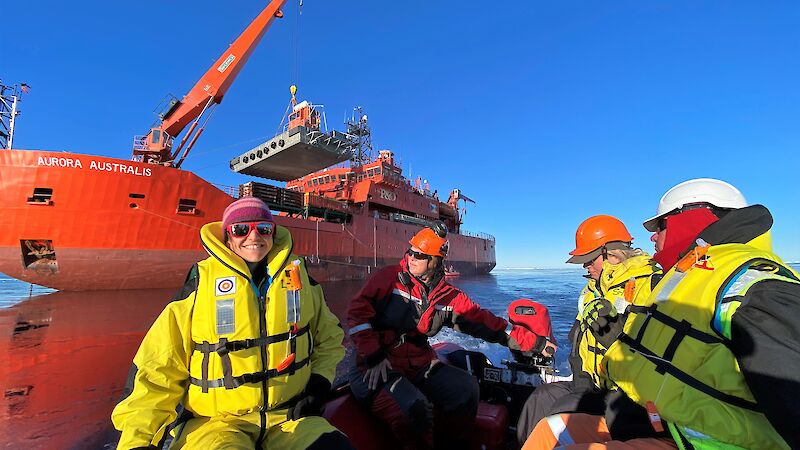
x: 682, y: 229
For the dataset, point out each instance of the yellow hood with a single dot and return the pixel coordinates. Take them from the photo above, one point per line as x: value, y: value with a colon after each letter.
x: 211, y: 237
x: 616, y: 274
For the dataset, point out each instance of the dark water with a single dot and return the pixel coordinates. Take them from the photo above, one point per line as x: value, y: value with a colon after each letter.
x: 65, y: 355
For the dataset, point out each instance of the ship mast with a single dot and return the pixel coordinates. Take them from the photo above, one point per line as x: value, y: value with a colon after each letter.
x: 157, y: 146
x: 360, y: 136
x: 10, y: 97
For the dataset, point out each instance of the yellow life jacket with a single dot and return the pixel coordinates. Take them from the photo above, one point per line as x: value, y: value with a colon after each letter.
x: 620, y: 284
x: 673, y: 352
x: 244, y: 334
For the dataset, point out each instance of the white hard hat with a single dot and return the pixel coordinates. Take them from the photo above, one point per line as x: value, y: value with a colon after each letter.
x: 700, y: 190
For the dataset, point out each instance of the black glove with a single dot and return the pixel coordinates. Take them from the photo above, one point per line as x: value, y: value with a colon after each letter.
x: 601, y: 317
x: 312, y: 399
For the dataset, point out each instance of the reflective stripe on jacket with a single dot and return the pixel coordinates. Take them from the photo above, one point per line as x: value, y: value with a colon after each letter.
x: 393, y: 317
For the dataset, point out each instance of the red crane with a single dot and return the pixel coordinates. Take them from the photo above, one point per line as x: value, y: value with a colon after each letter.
x: 156, y: 147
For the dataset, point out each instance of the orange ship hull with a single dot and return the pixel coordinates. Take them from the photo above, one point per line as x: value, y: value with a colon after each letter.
x: 106, y: 223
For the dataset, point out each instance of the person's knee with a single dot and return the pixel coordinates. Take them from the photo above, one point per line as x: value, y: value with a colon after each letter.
x: 467, y: 402
x: 334, y: 440
x: 406, y: 409
x: 463, y: 398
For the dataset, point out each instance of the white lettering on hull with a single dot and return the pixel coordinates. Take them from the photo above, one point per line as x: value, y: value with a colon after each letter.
x: 103, y: 166
x: 59, y: 161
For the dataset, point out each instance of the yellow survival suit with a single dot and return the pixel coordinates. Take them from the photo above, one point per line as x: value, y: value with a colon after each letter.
x: 234, y: 354
x: 673, y: 355
x: 620, y: 284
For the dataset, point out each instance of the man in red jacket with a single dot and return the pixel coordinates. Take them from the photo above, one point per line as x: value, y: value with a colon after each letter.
x: 397, y: 372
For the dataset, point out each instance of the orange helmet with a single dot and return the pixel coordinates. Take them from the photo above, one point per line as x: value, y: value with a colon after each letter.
x: 430, y: 243
x: 597, y: 231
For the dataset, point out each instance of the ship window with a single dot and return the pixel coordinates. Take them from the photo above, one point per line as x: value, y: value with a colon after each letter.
x: 41, y: 196
x: 341, y: 176
x: 132, y: 195
x: 156, y: 136
x: 187, y: 206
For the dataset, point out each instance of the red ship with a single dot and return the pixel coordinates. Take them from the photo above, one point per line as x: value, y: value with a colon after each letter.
x: 81, y: 222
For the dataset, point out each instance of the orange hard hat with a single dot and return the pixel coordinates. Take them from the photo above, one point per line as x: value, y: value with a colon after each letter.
x: 430, y: 243
x: 597, y: 231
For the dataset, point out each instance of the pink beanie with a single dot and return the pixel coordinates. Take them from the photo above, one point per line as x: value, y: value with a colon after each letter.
x: 246, y: 209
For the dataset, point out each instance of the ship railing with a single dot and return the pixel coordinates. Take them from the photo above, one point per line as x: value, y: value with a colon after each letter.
x: 140, y: 142
x: 479, y: 235
x: 233, y: 191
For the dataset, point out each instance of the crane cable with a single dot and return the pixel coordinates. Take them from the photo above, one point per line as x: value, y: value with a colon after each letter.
x: 295, y: 75
x: 294, y: 69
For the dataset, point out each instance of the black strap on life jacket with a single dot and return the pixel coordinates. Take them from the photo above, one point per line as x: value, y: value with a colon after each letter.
x: 663, y: 363
x: 596, y: 350
x: 622, y: 285
x: 224, y: 347
x: 255, y: 377
x: 682, y: 328
x: 234, y: 346
x: 665, y: 366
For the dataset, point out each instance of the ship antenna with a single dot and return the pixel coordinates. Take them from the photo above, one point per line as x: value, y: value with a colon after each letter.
x: 10, y: 96
x: 360, y: 138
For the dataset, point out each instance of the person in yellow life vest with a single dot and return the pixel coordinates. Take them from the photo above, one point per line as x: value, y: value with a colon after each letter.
x: 248, y: 348
x: 714, y: 351
x: 616, y: 273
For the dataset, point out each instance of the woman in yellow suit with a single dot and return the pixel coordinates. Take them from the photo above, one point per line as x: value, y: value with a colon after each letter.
x: 249, y: 348
x: 616, y: 273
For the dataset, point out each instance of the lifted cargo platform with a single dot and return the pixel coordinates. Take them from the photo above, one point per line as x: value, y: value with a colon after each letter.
x: 293, y: 154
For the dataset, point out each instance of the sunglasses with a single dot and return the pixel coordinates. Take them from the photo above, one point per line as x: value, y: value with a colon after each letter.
x: 589, y: 263
x: 243, y: 229
x: 662, y: 224
x: 418, y: 255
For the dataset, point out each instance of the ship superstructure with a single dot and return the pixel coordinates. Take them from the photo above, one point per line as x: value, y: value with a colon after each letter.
x: 83, y: 222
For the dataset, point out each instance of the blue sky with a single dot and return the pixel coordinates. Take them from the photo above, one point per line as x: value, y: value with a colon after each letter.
x: 545, y: 113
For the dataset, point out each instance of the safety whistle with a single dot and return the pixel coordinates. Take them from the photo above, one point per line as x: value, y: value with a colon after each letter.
x: 286, y: 362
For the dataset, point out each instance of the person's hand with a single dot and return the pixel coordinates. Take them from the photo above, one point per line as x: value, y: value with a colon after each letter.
x: 526, y: 341
x: 549, y: 349
x: 312, y: 400
x: 377, y: 372
x: 600, y: 316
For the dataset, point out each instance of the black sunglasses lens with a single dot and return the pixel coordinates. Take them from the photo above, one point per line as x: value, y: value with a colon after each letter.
x: 240, y: 229
x: 264, y: 228
x: 418, y: 255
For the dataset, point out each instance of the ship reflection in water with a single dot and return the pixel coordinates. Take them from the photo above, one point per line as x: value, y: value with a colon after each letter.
x: 65, y: 357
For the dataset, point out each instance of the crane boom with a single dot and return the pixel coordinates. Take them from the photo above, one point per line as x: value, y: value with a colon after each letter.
x: 156, y: 146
